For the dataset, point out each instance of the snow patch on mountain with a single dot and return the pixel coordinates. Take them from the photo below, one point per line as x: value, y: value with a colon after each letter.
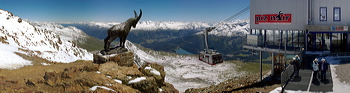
x: 27, y: 39
x: 10, y: 60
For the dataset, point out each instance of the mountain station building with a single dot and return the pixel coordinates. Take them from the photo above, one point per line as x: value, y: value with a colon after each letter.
x: 292, y: 27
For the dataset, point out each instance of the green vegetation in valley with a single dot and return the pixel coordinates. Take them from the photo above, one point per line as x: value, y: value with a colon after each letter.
x: 91, y: 44
x: 250, y: 67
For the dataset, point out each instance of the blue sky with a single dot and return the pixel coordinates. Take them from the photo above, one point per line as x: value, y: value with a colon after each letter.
x: 210, y: 11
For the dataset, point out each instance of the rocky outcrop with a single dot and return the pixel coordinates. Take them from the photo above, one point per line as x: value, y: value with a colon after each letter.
x: 148, y: 78
x: 124, y: 59
x: 103, y: 56
x: 156, y: 71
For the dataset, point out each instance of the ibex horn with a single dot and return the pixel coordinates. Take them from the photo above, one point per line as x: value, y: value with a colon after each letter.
x: 138, y: 18
x: 135, y: 14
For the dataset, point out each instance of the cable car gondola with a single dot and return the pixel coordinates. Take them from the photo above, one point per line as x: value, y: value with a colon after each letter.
x: 209, y: 56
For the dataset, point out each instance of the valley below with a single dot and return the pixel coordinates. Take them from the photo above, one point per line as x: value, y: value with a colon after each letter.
x: 185, y: 36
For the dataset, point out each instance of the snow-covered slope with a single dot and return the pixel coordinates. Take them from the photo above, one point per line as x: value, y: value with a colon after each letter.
x: 67, y: 33
x: 234, y: 28
x: 25, y: 38
x: 187, y: 71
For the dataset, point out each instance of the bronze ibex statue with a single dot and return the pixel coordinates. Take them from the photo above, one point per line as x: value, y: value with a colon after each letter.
x: 121, y: 30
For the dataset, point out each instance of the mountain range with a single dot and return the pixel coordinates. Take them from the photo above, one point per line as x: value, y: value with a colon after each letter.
x: 233, y: 28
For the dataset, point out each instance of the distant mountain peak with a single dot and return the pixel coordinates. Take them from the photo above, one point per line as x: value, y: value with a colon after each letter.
x: 234, y: 28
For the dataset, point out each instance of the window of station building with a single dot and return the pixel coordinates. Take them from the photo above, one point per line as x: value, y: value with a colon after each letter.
x: 336, y: 14
x: 328, y: 36
x: 323, y: 13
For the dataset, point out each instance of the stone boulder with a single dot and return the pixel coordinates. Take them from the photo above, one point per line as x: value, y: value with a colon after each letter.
x: 154, y: 70
x: 99, y: 58
x: 168, y: 88
x: 118, y: 55
x: 119, y: 72
x: 148, y: 85
x: 123, y: 59
x: 103, y: 56
x: 120, y: 88
x: 52, y: 77
x: 115, y: 50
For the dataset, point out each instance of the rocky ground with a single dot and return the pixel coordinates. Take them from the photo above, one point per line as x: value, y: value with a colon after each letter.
x: 244, y: 84
x: 116, y: 73
x: 119, y: 74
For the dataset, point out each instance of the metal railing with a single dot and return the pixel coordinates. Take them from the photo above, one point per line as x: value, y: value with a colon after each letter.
x: 286, y: 75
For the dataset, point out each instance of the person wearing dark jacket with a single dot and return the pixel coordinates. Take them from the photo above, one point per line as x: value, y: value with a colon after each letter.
x: 323, y: 67
x: 296, y: 65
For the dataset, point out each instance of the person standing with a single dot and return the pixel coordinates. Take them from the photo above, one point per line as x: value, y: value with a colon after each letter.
x: 323, y: 67
x: 303, y: 56
x: 296, y: 65
x: 315, y: 68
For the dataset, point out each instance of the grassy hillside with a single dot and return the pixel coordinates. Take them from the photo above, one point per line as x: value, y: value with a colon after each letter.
x: 250, y: 67
x: 91, y: 44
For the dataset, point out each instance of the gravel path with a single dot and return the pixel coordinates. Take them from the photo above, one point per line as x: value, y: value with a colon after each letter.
x: 343, y: 73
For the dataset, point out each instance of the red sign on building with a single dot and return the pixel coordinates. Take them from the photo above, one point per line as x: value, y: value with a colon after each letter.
x: 273, y: 19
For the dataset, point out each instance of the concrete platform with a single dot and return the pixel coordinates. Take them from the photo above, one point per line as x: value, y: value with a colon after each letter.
x: 318, y: 85
x: 305, y: 82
